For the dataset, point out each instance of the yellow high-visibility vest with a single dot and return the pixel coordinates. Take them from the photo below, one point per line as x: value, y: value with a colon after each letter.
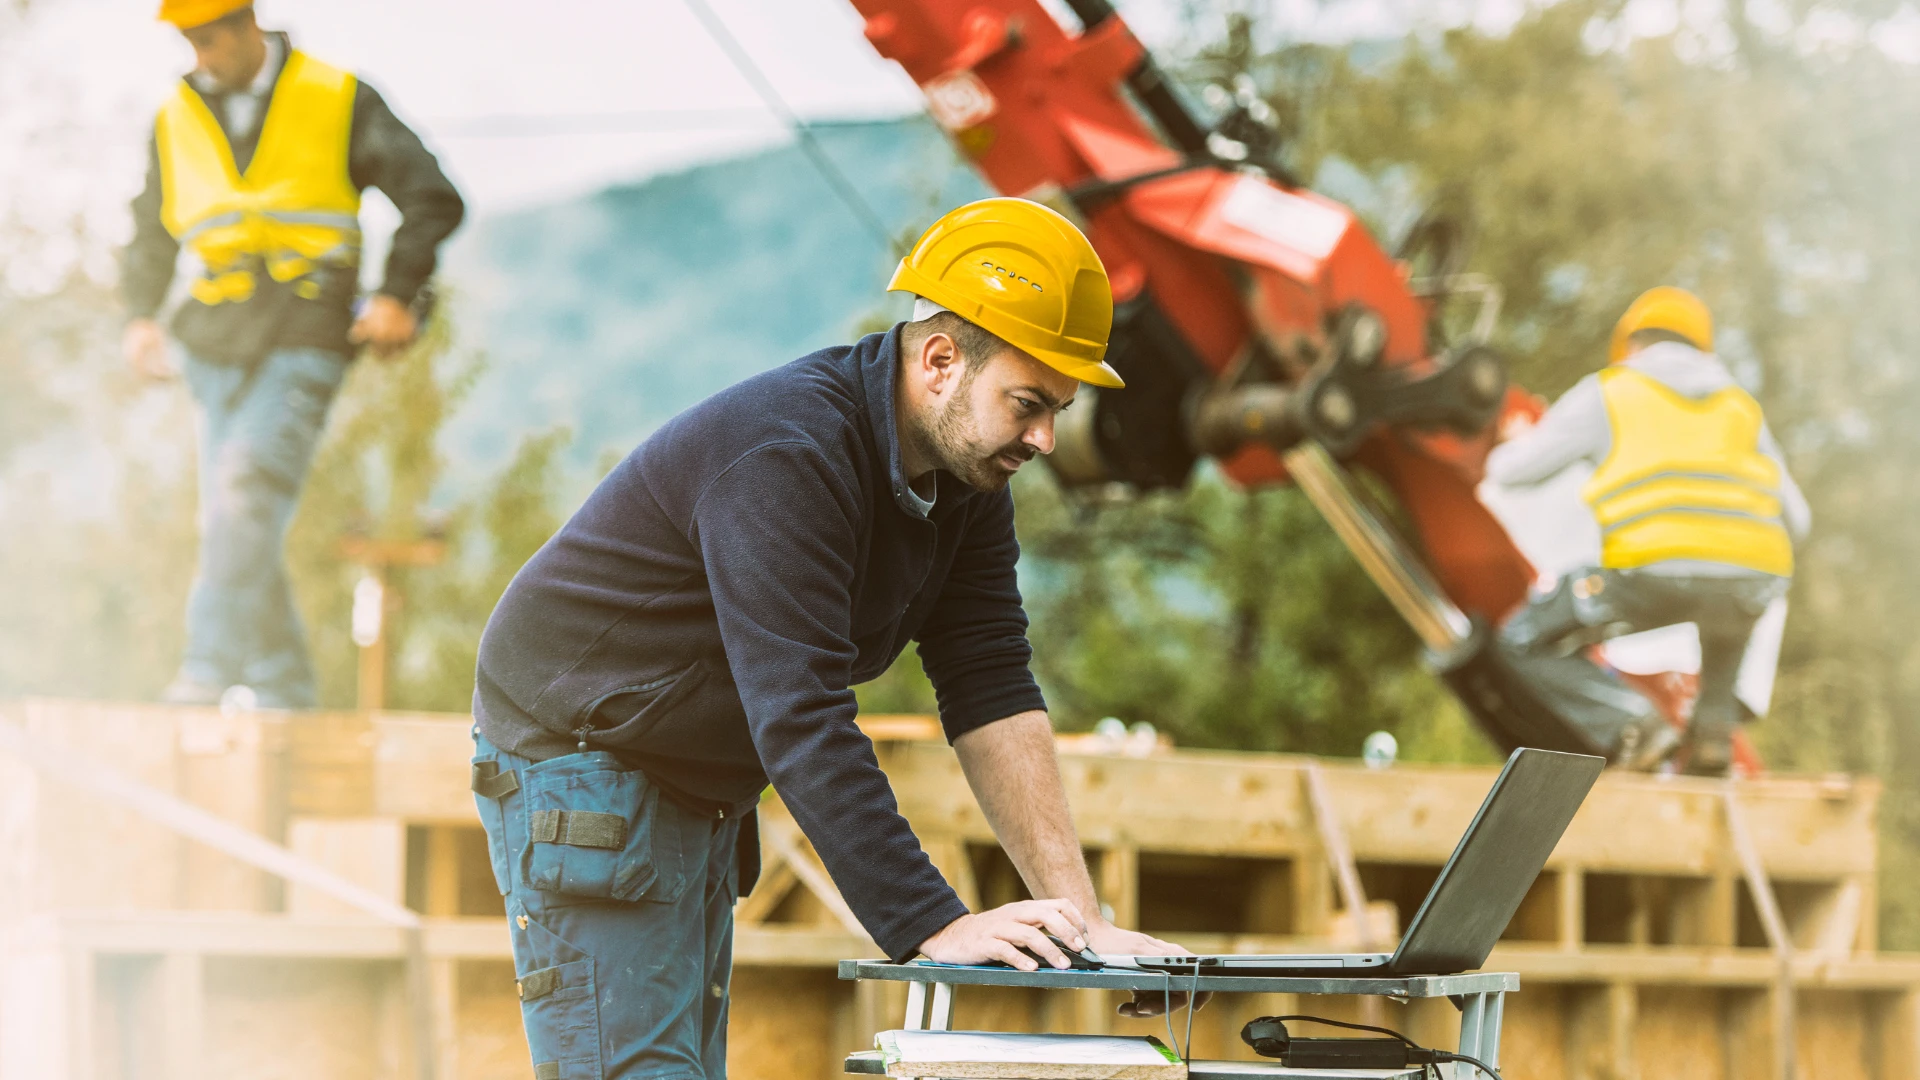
x: 295, y: 208
x: 1686, y: 479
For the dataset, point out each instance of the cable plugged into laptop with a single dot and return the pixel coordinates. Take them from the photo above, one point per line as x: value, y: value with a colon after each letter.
x: 1269, y: 1037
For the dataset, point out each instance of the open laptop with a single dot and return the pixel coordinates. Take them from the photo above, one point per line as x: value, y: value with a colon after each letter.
x: 1477, y: 892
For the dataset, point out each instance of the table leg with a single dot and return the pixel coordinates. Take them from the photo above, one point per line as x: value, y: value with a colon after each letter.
x: 1473, y: 1014
x: 1490, y: 1029
x: 916, y: 1007
x: 941, y: 1018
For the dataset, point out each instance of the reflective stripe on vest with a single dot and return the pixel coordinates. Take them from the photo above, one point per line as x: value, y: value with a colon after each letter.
x: 1686, y: 479
x: 295, y: 208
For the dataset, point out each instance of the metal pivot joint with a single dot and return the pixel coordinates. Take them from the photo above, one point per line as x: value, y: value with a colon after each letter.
x: 1351, y: 394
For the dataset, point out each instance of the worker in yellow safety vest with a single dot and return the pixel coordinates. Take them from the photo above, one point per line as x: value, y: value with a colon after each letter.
x: 257, y: 163
x: 1696, y: 511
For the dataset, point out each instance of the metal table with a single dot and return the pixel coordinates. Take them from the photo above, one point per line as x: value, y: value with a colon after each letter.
x: 1481, y: 998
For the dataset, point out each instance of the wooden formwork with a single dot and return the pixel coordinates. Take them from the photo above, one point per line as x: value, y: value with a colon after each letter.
x: 1642, y: 951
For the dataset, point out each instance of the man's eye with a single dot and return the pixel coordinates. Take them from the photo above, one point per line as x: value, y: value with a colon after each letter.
x: 1027, y: 405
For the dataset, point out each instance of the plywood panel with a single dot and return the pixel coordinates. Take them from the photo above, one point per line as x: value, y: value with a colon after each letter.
x: 370, y: 852
x: 297, y: 1020
x: 1676, y: 1037
x: 786, y: 1028
x: 1533, y: 1038
x: 493, y: 1044
x: 1834, y: 1034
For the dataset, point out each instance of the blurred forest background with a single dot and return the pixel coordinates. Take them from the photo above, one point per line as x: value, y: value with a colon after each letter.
x: 1763, y: 156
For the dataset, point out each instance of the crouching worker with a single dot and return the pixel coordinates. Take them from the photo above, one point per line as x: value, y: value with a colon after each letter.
x: 1696, y: 510
x: 696, y: 629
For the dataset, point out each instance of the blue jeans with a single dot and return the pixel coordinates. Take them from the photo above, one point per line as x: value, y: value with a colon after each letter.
x: 258, y: 428
x: 620, y: 904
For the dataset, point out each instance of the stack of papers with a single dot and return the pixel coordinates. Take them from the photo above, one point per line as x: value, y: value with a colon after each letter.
x: 1004, y: 1056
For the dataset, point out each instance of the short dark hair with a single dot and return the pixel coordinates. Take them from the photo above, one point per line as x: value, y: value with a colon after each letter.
x: 1640, y: 339
x: 974, y: 342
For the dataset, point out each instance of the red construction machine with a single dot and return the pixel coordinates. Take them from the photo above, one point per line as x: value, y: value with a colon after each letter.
x: 1257, y: 323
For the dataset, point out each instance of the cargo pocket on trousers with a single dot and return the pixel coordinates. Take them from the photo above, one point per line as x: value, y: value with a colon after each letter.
x: 492, y: 785
x: 563, y: 1021
x: 591, y: 829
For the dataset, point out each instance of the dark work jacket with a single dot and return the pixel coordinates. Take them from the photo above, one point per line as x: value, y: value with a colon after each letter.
x: 709, y: 608
x: 382, y: 152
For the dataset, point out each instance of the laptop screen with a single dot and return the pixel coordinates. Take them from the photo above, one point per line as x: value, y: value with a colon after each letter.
x: 1493, y: 866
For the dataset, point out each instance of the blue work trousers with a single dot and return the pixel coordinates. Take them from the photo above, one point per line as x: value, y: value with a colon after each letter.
x: 620, y: 903
x: 259, y: 424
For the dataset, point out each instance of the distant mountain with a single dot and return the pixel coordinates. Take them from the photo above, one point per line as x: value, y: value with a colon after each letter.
x: 612, y: 312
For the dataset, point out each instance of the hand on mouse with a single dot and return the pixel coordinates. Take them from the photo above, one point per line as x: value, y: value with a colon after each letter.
x: 1001, y: 933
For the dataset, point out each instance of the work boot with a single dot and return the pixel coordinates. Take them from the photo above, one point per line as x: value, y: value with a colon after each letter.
x: 1644, y: 744
x: 185, y: 690
x: 1710, y: 747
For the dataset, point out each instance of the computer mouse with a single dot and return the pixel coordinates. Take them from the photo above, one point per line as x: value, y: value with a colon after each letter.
x: 1077, y: 959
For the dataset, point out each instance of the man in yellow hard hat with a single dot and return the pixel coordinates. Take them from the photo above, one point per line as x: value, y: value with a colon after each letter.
x: 256, y: 167
x: 1696, y: 511
x: 696, y: 630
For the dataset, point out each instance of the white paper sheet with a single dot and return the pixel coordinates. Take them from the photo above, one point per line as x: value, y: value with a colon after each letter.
x: 997, y: 1046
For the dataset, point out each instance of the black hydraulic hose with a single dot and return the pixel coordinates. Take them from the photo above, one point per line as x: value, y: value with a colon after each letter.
x: 1149, y: 84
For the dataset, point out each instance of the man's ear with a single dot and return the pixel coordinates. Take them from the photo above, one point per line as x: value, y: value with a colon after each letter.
x: 938, y: 364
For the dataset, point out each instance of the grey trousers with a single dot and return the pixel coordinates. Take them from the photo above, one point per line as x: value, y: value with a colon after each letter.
x: 620, y: 903
x: 1591, y: 605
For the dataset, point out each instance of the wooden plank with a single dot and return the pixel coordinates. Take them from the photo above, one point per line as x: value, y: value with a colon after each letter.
x: 1671, y: 1033
x: 443, y: 995
x: 1894, y: 1046
x: 783, y: 837
x: 420, y: 768
x: 183, y: 1009
x: 1211, y: 803
x: 1600, y: 1031
x: 370, y: 852
x: 440, y: 896
x: 1571, y: 892
x: 1118, y: 885
x: 67, y: 848
x: 231, y: 766
x: 950, y: 858
x: 1746, y: 1024
x: 777, y: 879
x: 330, y: 764
x: 1332, y: 834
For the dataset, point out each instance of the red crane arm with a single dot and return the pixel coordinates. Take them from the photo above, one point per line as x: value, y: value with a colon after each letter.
x: 1226, y: 255
x: 1256, y: 322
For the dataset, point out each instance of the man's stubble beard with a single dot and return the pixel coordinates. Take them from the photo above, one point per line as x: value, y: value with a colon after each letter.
x: 953, y: 443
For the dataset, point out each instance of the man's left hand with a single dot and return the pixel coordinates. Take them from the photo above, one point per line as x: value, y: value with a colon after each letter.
x: 386, y: 326
x: 1107, y: 939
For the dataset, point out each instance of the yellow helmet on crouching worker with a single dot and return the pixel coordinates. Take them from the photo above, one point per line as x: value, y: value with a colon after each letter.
x: 187, y: 14
x: 1026, y: 275
x: 1664, y: 307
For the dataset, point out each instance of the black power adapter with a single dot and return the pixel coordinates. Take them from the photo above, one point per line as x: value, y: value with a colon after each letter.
x: 1269, y: 1037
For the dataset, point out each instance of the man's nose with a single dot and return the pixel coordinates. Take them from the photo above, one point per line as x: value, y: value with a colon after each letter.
x: 1040, y: 436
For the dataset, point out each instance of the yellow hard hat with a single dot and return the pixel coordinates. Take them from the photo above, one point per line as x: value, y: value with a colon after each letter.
x: 1664, y: 307
x: 187, y: 14
x: 1023, y: 273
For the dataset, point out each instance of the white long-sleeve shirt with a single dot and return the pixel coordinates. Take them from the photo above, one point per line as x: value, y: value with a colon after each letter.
x: 1576, y: 430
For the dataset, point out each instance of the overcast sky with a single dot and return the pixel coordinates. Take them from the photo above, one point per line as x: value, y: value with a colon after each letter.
x: 618, y: 88
x: 524, y: 103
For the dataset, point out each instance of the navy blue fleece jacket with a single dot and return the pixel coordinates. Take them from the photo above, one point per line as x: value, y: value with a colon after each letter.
x: 706, y: 613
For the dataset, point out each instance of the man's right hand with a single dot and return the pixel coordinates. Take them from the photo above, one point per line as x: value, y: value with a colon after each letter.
x: 998, y: 934
x: 145, y: 347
